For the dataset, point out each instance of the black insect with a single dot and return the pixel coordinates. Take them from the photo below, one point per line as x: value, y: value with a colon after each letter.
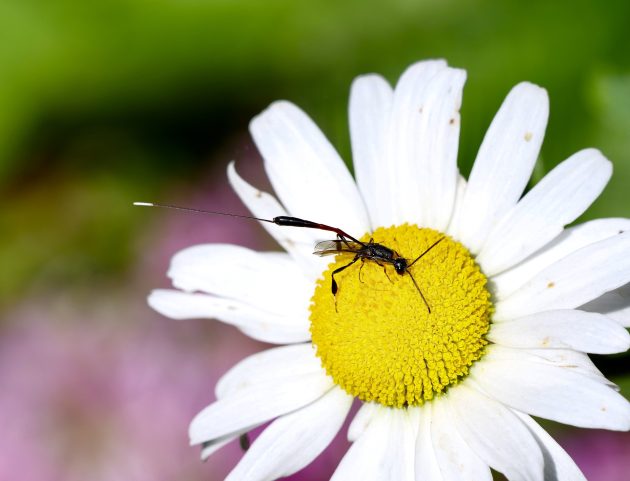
x: 371, y: 251
x: 343, y: 244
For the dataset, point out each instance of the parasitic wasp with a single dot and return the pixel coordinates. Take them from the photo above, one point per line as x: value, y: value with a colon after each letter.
x: 343, y: 244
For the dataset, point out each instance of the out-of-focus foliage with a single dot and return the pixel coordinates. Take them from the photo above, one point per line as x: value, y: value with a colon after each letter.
x: 610, y: 107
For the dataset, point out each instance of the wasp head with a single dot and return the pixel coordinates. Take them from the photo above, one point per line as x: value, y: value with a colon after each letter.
x: 400, y: 265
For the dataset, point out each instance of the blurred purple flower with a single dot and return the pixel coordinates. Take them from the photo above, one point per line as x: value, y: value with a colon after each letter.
x: 85, y: 401
x: 601, y: 455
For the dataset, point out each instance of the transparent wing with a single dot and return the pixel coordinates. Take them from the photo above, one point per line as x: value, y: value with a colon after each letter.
x: 332, y: 247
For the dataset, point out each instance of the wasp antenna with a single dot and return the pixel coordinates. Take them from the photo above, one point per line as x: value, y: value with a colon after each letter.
x: 199, y: 211
x: 420, y: 292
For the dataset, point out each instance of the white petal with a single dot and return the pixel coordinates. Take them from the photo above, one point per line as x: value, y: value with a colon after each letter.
x: 454, y: 457
x: 306, y: 172
x: 423, y: 142
x: 391, y: 167
x: 270, y: 281
x: 504, y: 163
x: 248, y: 401
x: 551, y: 392
x: 426, y: 464
x: 572, y: 281
x: 615, y: 304
x: 383, y: 452
x: 298, y: 242
x: 258, y: 324
x: 370, y: 104
x: 566, y: 243
x: 495, y: 434
x: 558, y: 464
x: 361, y: 420
x: 266, y: 366
x: 558, y: 199
x: 460, y: 192
x: 570, y: 329
x: 293, y: 441
x: 574, y: 361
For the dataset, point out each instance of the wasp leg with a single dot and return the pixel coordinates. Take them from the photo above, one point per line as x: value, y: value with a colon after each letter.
x: 384, y: 270
x: 333, y: 285
x: 360, y: 269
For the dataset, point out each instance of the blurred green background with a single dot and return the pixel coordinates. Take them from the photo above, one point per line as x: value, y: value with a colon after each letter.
x: 110, y: 101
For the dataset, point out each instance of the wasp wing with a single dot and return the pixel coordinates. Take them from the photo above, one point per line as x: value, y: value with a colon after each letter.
x: 332, y: 247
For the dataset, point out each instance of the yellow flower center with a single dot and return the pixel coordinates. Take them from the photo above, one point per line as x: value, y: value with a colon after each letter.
x: 379, y: 340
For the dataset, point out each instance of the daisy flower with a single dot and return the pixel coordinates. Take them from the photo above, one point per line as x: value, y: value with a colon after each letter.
x: 449, y: 357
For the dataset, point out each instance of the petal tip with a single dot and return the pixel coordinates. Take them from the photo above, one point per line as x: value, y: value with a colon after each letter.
x: 275, y: 108
x: 155, y: 300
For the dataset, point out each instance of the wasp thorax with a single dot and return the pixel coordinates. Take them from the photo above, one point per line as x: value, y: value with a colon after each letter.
x: 376, y: 336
